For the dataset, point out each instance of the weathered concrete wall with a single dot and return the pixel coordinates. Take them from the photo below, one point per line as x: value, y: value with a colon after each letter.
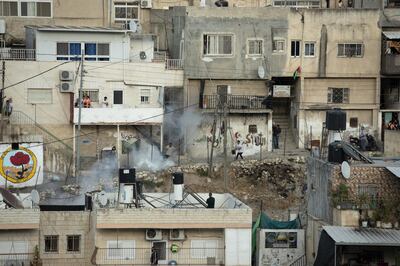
x: 392, y: 143
x: 64, y: 224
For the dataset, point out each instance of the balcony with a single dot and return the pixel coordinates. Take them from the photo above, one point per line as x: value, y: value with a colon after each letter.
x: 391, y: 64
x: 16, y: 258
x: 174, y: 64
x: 17, y: 54
x: 119, y: 116
x: 141, y: 256
x: 236, y: 103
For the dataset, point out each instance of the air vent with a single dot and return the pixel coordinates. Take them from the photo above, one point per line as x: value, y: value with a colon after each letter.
x: 66, y: 87
x: 176, y: 234
x: 153, y: 234
x: 66, y: 75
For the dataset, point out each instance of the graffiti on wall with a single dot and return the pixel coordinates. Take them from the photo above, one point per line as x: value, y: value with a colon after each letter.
x: 22, y: 167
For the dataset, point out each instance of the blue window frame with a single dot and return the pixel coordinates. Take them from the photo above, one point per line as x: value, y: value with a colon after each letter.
x: 92, y: 51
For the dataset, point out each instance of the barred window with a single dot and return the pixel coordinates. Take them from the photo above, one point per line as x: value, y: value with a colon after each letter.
x: 73, y: 243
x: 218, y: 44
x: 278, y: 46
x: 371, y: 190
x: 93, y: 94
x: 338, y: 95
x: 51, y: 243
x: 350, y: 50
x: 255, y: 47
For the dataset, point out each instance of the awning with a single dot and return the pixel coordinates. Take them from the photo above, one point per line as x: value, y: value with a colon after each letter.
x: 348, y: 236
x: 392, y: 35
x: 394, y: 170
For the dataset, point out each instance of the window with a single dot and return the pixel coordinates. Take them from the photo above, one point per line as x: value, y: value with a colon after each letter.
x: 8, y: 8
x: 218, y: 44
x: 202, y: 249
x: 338, y: 95
x: 51, y: 243
x: 353, y: 122
x: 252, y: 128
x: 40, y: 96
x: 120, y: 249
x: 125, y: 11
x: 118, y: 97
x: 298, y: 3
x: 145, y: 96
x: 92, y: 51
x: 255, y: 47
x: 350, y: 50
x: 278, y: 46
x: 73, y: 243
x: 309, y: 49
x: 35, y: 9
x: 295, y: 48
x: 93, y: 94
x: 371, y: 190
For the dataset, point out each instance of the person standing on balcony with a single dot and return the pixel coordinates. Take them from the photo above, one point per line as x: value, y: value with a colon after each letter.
x: 87, y: 102
x: 104, y: 104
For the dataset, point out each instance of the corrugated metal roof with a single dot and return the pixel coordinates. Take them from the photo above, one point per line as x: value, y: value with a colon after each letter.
x: 392, y: 34
x: 395, y: 170
x: 349, y: 236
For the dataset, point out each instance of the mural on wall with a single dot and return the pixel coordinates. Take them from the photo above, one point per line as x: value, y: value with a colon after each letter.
x: 22, y: 167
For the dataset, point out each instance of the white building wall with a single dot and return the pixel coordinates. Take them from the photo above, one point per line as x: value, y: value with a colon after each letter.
x: 237, y: 247
x: 144, y: 44
x: 46, y: 43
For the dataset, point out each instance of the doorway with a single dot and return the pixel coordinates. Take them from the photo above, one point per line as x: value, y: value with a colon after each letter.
x: 161, y: 249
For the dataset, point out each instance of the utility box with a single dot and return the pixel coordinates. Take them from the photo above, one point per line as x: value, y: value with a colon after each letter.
x: 279, y: 247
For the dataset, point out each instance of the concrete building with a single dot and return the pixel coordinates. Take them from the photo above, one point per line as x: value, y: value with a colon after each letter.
x: 123, y: 70
x: 310, y: 61
x: 366, y: 199
x: 113, y: 233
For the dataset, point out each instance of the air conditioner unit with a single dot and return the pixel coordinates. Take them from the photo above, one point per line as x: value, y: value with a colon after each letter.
x: 177, y: 234
x: 133, y: 25
x: 146, y: 4
x: 66, y: 86
x: 142, y: 55
x: 153, y: 234
x: 66, y: 75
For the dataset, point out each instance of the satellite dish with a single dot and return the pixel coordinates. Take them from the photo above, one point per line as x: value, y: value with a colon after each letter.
x: 10, y: 199
x: 103, y: 199
x: 35, y: 196
x: 345, y: 170
x: 261, y: 72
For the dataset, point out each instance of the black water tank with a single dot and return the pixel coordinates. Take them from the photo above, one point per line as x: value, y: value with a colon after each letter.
x: 127, y: 176
x: 335, y: 119
x: 177, y: 178
x: 335, y: 152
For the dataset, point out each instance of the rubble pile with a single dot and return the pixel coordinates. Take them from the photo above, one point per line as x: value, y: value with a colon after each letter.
x: 283, y: 176
x: 72, y: 189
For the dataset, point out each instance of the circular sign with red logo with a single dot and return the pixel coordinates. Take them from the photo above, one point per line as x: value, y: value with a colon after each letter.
x: 18, y: 166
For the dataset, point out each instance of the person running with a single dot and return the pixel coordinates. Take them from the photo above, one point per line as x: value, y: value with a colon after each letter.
x: 239, y: 150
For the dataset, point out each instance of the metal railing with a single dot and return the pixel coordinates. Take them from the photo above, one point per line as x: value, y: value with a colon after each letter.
x: 16, y: 258
x: 142, y: 256
x: 299, y: 262
x: 17, y: 54
x: 174, y: 64
x: 234, y: 101
x: 159, y: 56
x: 390, y: 64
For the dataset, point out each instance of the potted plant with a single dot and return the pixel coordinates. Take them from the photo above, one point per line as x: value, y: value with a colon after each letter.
x: 340, y: 196
x: 387, y: 214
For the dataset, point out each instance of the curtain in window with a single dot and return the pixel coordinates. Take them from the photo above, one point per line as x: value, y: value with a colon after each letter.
x: 74, y: 48
x: 8, y: 8
x: 28, y: 9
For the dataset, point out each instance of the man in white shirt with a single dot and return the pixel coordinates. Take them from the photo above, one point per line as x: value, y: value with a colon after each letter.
x: 239, y: 150
x: 104, y: 104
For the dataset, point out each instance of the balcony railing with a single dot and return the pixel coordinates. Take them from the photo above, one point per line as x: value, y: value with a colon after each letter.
x: 142, y: 256
x: 17, y: 54
x: 16, y: 258
x: 159, y: 56
x: 299, y: 262
x: 174, y: 64
x: 234, y: 101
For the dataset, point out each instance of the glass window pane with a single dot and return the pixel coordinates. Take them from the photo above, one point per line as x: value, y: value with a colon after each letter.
x: 8, y: 8
x: 90, y: 49
x: 132, y: 13
x: 103, y: 49
x: 43, y: 9
x: 120, y: 12
x: 74, y: 48
x: 62, y: 48
x: 28, y: 9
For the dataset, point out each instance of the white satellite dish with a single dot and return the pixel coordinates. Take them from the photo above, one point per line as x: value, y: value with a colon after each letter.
x: 103, y: 200
x: 35, y: 196
x: 345, y: 170
x: 261, y: 72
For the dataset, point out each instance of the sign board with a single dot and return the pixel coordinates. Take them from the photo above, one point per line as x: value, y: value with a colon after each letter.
x: 22, y: 167
x: 281, y: 91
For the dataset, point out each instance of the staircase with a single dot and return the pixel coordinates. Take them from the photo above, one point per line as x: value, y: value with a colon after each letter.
x: 283, y: 121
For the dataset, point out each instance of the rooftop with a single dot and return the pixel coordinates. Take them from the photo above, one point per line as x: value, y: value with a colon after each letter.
x: 349, y: 236
x: 75, y: 28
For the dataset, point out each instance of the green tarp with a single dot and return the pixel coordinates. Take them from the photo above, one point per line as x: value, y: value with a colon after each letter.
x: 264, y: 222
